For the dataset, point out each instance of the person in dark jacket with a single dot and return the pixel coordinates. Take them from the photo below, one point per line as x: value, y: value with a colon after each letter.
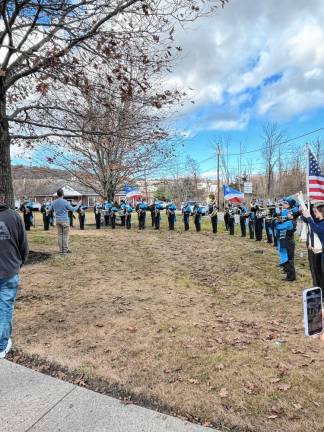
x: 13, y: 255
x: 27, y: 209
x: 226, y: 218
x: 152, y: 211
x: 318, y: 228
x: 46, y: 215
x: 81, y: 215
x: 197, y: 213
x: 186, y: 211
x: 157, y: 217
x: 213, y: 212
x: 98, y: 208
x: 243, y: 217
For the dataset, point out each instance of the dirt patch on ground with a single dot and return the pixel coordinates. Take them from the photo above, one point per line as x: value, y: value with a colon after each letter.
x: 197, y: 323
x: 35, y: 257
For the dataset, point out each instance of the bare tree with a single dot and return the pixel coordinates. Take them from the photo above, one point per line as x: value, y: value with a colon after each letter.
x: 272, y: 138
x: 43, y: 42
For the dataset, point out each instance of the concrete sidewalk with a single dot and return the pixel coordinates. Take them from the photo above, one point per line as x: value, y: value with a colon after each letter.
x: 31, y: 401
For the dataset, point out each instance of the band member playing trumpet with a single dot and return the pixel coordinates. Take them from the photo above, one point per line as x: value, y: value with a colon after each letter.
x: 213, y: 212
x: 258, y: 221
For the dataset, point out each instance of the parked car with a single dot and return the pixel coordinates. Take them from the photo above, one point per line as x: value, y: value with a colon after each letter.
x: 36, y: 206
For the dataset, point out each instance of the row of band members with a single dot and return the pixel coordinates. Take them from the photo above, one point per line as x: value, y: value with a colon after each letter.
x: 257, y: 217
x: 279, y: 221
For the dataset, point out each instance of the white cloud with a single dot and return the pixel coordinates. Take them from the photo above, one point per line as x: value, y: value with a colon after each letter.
x: 244, y: 44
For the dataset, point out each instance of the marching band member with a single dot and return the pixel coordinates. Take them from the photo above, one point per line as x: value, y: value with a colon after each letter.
x: 171, y: 209
x: 268, y: 223
x: 129, y: 211
x: 226, y: 217
x: 251, y: 220
x: 141, y: 208
x: 213, y: 212
x: 46, y: 215
x: 113, y: 212
x: 186, y: 216
x: 122, y: 212
x: 157, y: 217
x: 231, y: 220
x: 258, y: 221
x: 81, y: 216
x: 106, y: 211
x: 71, y: 216
x: 286, y: 227
x: 197, y: 212
x: 27, y: 209
x: 152, y: 211
x: 98, y: 207
x: 243, y: 216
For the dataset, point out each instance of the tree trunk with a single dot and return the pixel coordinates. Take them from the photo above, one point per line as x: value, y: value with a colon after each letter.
x: 6, y: 188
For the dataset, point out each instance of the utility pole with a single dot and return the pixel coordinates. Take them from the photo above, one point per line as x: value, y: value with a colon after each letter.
x: 218, y: 178
x: 145, y: 185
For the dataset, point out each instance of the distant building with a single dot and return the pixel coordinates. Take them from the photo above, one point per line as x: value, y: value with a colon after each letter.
x: 45, y: 190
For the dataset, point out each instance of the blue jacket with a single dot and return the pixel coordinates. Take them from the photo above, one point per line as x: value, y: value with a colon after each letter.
x: 61, y: 208
x: 172, y: 207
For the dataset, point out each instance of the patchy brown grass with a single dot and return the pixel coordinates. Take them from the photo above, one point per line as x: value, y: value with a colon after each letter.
x: 201, y: 323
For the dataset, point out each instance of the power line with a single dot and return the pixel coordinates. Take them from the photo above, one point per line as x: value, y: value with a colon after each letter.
x: 279, y: 144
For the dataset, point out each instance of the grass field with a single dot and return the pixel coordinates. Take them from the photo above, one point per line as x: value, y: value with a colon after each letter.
x: 193, y: 324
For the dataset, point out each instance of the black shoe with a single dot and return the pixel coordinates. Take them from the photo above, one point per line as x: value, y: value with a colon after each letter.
x: 288, y: 279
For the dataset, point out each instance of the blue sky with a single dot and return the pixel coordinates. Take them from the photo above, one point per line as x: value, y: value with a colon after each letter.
x: 252, y: 63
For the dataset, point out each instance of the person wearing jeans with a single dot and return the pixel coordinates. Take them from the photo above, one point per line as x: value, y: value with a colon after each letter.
x: 61, y: 208
x: 13, y: 254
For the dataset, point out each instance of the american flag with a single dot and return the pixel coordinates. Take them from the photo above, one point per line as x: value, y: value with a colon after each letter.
x: 315, y: 179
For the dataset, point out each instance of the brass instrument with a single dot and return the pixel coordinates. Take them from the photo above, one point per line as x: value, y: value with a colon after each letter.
x: 214, y: 211
x: 261, y: 213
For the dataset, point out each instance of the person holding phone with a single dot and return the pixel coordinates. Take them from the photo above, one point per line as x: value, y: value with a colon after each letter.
x: 318, y: 228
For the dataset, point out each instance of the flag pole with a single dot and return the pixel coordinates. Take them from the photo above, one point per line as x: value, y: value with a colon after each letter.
x: 307, y: 176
